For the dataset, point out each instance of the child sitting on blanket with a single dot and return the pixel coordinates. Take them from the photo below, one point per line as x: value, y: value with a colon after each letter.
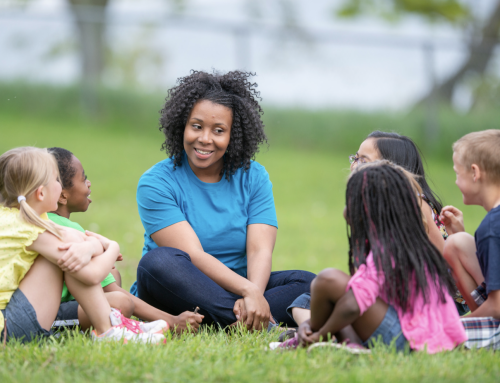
x: 74, y: 199
x: 475, y: 261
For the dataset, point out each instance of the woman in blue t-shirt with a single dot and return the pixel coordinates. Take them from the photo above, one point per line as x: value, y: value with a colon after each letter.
x: 208, y: 210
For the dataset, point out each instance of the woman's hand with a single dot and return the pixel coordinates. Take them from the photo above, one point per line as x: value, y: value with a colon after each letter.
x: 240, y: 311
x: 257, y: 310
x: 306, y: 335
x: 453, y: 219
x: 180, y: 322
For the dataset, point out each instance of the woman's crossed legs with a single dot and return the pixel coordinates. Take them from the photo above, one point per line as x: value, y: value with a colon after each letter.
x: 168, y: 280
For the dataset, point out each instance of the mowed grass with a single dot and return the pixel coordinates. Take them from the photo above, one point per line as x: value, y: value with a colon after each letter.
x: 309, y: 191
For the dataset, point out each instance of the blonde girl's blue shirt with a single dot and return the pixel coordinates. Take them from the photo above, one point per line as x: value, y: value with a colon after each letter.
x: 219, y: 213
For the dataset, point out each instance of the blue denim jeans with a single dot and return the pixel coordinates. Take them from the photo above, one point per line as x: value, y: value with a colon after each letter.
x: 168, y: 280
x: 303, y: 301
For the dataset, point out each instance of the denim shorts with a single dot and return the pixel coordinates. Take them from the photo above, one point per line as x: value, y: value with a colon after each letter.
x: 302, y: 301
x: 22, y: 323
x: 67, y: 315
x: 390, y: 332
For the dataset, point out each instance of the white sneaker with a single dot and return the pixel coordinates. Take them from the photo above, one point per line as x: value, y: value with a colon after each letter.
x: 156, y: 327
x: 127, y: 330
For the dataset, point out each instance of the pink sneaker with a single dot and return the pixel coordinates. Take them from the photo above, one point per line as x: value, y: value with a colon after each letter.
x: 156, y: 327
x: 291, y: 343
x: 126, y: 330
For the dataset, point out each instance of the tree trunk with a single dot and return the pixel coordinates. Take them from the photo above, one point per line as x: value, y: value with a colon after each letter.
x: 89, y: 17
x: 480, y: 54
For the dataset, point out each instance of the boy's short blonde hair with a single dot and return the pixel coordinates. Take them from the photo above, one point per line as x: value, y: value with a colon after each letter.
x: 483, y: 149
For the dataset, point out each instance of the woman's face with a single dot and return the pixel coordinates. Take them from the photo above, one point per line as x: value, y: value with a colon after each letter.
x: 206, y: 136
x: 367, y: 152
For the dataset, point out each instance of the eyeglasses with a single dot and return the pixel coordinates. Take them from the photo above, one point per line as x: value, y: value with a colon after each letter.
x: 353, y: 158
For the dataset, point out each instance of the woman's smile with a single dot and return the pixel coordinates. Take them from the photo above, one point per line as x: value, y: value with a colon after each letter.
x: 203, y: 154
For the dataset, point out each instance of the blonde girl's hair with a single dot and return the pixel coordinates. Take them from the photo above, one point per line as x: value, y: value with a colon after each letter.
x: 22, y: 171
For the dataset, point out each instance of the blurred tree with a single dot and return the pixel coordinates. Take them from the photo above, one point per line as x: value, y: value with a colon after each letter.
x: 482, y: 34
x: 90, y: 21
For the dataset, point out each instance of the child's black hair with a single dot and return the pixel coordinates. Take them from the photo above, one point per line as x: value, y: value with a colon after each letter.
x: 384, y: 217
x: 402, y: 151
x: 232, y: 90
x: 66, y: 170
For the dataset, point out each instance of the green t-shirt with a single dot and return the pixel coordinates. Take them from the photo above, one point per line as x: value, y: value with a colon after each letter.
x: 66, y: 296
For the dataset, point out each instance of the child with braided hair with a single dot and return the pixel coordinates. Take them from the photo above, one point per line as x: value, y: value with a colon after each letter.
x: 399, y: 288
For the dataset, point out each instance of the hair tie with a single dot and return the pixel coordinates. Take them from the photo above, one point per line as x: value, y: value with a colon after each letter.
x: 21, y: 198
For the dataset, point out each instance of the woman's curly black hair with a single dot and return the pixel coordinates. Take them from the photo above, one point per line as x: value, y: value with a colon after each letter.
x: 233, y: 90
x: 64, y: 163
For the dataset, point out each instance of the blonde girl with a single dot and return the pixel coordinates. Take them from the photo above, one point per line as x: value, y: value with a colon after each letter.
x: 36, y: 256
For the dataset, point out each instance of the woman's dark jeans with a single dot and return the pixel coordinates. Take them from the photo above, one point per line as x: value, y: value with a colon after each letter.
x: 168, y: 280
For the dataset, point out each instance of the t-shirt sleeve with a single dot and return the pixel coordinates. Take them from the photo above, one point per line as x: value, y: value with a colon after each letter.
x: 365, y: 284
x: 261, y: 208
x: 26, y: 235
x: 108, y: 280
x: 491, y: 263
x: 157, y: 203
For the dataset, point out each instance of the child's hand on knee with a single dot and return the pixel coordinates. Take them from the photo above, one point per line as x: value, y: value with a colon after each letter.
x: 105, y: 242
x: 98, y: 248
x: 77, y: 256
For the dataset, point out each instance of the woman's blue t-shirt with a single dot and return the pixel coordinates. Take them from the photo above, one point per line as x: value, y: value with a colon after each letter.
x: 219, y: 213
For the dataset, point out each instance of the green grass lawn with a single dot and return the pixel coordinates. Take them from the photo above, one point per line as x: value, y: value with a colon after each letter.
x: 309, y: 190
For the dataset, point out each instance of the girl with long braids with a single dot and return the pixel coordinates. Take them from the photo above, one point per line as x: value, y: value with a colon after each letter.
x: 208, y: 210
x: 399, y: 287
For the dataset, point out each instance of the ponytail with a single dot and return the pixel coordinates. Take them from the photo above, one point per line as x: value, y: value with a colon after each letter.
x: 28, y: 215
x: 22, y: 171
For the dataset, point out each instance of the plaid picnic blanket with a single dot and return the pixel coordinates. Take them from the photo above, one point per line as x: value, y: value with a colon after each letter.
x: 482, y: 332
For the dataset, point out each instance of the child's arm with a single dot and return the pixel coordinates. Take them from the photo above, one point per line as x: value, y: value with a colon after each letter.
x: 149, y: 313
x: 433, y: 232
x: 490, y: 307
x: 80, y: 249
x: 346, y: 311
x: 48, y: 246
x: 453, y: 219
